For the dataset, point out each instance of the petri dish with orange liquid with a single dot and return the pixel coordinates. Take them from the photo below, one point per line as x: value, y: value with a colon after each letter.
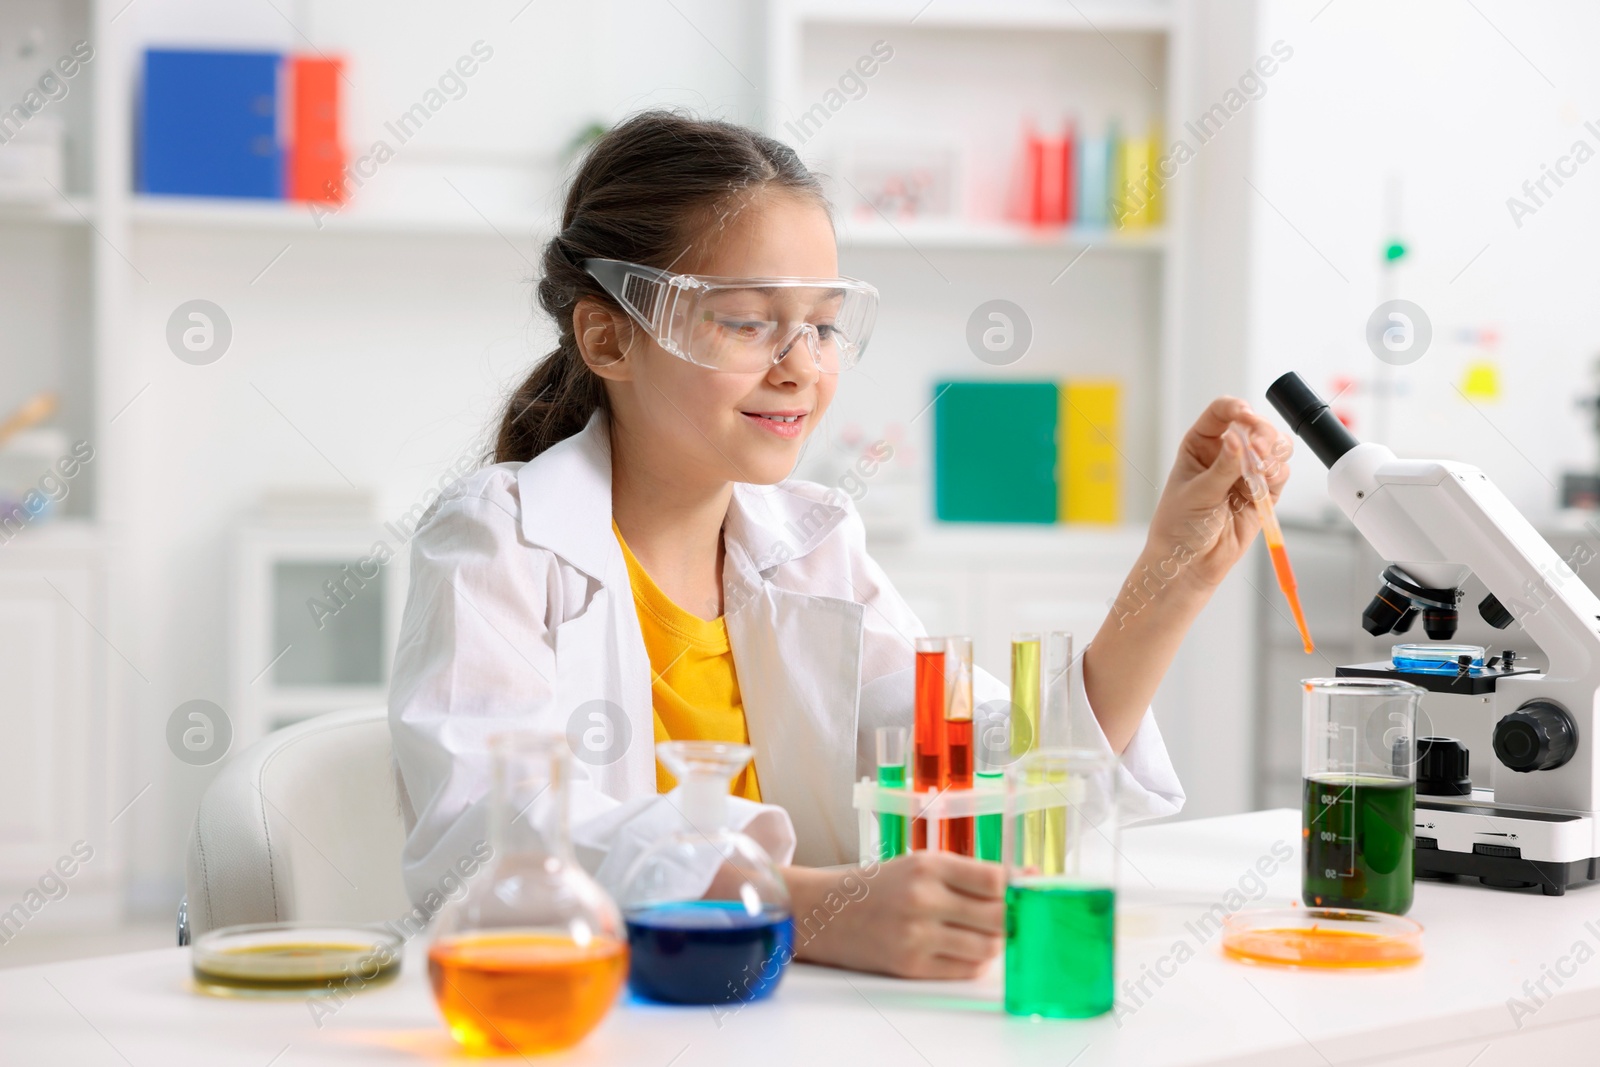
x: 1322, y: 938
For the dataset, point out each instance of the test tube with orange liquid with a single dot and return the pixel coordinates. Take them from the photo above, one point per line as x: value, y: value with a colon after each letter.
x: 959, y: 833
x: 928, y: 735
x: 1255, y: 479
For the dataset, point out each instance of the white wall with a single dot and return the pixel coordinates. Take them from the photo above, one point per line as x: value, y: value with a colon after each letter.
x: 1462, y: 103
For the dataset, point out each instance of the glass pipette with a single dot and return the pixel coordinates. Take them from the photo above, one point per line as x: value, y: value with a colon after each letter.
x: 1255, y: 479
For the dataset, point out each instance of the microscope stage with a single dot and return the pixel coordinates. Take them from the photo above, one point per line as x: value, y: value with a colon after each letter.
x: 1477, y: 684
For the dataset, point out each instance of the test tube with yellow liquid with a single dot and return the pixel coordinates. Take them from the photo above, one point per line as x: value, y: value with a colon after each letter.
x: 1041, y: 691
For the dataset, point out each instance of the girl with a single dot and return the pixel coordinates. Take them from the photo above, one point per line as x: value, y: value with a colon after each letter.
x: 636, y: 565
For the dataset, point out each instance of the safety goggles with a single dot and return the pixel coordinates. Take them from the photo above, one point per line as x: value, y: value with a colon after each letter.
x: 744, y: 324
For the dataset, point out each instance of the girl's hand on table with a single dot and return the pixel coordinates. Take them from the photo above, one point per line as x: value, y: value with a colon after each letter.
x: 1204, y: 520
x: 921, y: 915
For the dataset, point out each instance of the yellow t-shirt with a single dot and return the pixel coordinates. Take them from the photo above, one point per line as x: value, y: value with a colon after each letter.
x: 694, y: 690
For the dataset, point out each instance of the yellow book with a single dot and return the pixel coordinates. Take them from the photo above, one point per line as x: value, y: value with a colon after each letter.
x: 1090, y: 465
x: 1137, y: 202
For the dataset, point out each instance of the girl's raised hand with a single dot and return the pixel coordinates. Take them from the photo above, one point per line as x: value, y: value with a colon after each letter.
x: 1204, y: 520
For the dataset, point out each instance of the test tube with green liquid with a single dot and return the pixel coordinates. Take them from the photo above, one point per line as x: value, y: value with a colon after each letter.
x: 991, y: 745
x: 891, y: 773
x: 990, y: 827
x: 1041, y: 691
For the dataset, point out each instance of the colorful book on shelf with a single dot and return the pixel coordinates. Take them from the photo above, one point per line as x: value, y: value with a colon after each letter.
x: 1091, y: 466
x: 1094, y: 175
x: 315, y: 153
x: 1039, y: 452
x: 1048, y: 168
x: 1137, y: 202
x: 994, y: 451
x: 209, y: 124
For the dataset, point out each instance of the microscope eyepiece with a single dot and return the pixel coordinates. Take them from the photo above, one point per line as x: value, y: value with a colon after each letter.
x: 1309, y: 416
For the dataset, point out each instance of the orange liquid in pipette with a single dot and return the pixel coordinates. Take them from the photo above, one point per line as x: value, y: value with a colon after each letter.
x: 1280, y: 566
x: 525, y: 992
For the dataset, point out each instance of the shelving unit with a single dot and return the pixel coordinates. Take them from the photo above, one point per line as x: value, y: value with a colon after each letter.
x: 73, y: 211
x: 219, y: 213
x: 938, y: 233
x: 975, y: 71
x: 61, y: 782
x: 90, y: 270
x: 1138, y: 16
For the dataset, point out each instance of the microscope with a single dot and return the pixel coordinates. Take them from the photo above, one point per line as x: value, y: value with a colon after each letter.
x: 1437, y: 522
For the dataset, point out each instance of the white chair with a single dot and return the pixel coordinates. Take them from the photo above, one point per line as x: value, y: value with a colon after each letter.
x: 304, y: 824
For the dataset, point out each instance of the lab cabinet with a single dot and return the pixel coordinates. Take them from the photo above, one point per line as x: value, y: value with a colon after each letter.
x: 315, y: 612
x: 54, y: 760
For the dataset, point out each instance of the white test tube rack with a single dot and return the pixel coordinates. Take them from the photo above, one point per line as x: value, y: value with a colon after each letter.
x: 938, y: 806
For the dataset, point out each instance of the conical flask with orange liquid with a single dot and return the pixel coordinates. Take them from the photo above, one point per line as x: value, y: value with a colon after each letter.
x: 532, y: 957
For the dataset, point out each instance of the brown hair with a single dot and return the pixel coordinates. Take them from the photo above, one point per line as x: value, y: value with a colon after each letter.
x: 638, y: 196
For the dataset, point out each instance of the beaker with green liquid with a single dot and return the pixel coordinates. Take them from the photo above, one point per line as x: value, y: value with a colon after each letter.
x: 1358, y: 759
x: 1061, y: 903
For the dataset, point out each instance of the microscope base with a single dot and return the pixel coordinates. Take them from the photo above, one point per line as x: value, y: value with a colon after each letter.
x: 1504, y: 848
x: 1506, y: 872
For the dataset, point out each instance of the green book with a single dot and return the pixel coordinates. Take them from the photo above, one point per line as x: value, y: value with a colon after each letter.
x: 994, y: 453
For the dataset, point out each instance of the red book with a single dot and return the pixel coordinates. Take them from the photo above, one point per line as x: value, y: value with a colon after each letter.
x: 1032, y: 169
x: 1069, y: 191
x: 315, y: 156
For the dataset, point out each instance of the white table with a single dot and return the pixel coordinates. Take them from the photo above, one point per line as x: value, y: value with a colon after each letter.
x: 1451, y: 1010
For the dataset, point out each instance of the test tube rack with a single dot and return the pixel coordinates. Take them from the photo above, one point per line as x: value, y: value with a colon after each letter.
x: 938, y: 806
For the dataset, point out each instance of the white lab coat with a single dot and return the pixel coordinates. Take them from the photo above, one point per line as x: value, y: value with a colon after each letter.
x: 520, y: 614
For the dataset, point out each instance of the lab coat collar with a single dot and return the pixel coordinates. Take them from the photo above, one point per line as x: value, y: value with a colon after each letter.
x: 565, y: 494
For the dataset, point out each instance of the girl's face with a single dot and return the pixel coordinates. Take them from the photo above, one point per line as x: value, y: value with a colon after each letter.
x: 690, y: 423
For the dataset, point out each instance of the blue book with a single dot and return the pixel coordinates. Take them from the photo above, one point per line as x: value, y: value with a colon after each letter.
x: 209, y: 124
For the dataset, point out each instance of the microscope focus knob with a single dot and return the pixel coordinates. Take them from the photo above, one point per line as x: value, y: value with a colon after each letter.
x: 1539, y: 736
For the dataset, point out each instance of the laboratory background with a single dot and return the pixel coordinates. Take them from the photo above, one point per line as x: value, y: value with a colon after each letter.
x: 233, y: 383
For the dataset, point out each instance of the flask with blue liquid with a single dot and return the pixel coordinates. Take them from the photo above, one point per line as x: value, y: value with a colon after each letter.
x: 708, y: 916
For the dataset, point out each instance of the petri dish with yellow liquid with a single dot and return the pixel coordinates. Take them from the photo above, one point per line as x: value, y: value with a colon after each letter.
x: 1322, y: 938
x: 294, y: 960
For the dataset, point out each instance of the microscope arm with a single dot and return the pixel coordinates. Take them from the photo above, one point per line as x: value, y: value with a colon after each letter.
x: 1439, y: 521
